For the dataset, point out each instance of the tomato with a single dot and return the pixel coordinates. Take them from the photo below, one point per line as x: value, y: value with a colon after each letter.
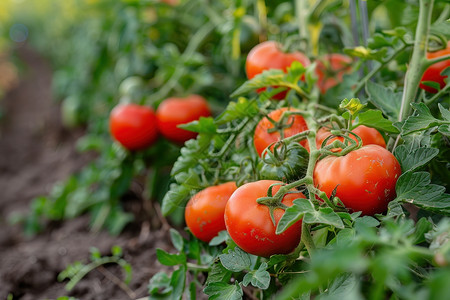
x: 330, y: 69
x: 433, y: 73
x: 204, y: 212
x: 268, y: 55
x: 133, y: 126
x: 249, y: 223
x: 364, y: 179
x: 368, y: 135
x: 176, y: 111
x: 262, y: 138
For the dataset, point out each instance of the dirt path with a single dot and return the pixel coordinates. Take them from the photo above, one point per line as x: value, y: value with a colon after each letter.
x: 36, y: 152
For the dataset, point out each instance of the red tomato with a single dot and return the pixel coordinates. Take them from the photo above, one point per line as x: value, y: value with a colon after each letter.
x: 249, y: 223
x: 369, y: 136
x: 133, y: 126
x: 268, y: 55
x: 433, y: 73
x: 176, y: 111
x: 330, y: 70
x: 364, y: 179
x: 262, y: 138
x: 204, y: 211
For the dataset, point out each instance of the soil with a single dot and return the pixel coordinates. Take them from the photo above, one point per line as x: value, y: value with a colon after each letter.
x: 35, y: 153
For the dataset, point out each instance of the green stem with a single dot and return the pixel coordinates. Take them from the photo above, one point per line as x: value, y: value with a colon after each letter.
x: 307, y: 239
x: 195, y: 267
x: 437, y: 95
x: 301, y: 13
x: 262, y: 17
x: 417, y: 63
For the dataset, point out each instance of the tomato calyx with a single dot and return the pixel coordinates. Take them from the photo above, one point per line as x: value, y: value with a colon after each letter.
x: 273, y: 201
x: 344, y: 147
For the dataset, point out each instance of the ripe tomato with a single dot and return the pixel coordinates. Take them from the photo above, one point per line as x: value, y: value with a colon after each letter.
x: 330, y: 69
x: 204, y: 211
x: 368, y: 135
x: 249, y: 223
x: 176, y: 111
x: 364, y: 179
x: 268, y: 55
x: 433, y: 73
x: 133, y: 126
x: 262, y: 138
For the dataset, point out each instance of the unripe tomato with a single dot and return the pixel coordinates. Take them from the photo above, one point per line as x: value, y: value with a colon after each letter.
x: 364, y: 179
x: 268, y: 55
x: 204, y: 212
x: 249, y: 223
x: 133, y: 126
x: 176, y: 111
x: 433, y: 73
x: 330, y: 69
x: 262, y: 138
x: 368, y: 135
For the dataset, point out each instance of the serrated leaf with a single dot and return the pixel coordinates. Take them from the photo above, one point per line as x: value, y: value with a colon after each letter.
x: 238, y: 110
x: 345, y: 286
x: 177, y: 239
x: 384, y: 99
x: 159, y: 285
x: 168, y: 259
x: 202, y: 125
x: 375, y: 119
x: 261, y: 278
x: 421, y: 120
x: 223, y: 291
x: 444, y: 129
x: 415, y: 188
x: 413, y: 160
x: 218, y: 273
x: 189, y: 179
x: 236, y: 260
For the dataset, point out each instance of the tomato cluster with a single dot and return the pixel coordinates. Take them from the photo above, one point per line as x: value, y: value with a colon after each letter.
x: 136, y: 127
x: 433, y: 72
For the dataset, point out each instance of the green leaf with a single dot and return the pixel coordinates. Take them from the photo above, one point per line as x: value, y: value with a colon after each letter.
x: 224, y: 291
x: 189, y: 179
x: 116, y: 251
x: 384, y: 99
x: 168, y: 259
x: 159, y: 285
x: 203, y: 125
x: 375, y: 119
x: 218, y: 273
x: 444, y: 129
x: 260, y: 278
x: 412, y: 160
x: 353, y: 106
x: 444, y: 112
x: 176, y: 196
x: 366, y: 53
x: 421, y: 120
x: 273, y: 77
x: 345, y: 286
x: 177, y: 239
x: 415, y: 188
x: 220, y: 238
x: 238, y: 110
x: 236, y: 260
x: 325, y: 215
x: 178, y: 282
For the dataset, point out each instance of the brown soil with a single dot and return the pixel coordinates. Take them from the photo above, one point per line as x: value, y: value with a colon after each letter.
x: 36, y: 152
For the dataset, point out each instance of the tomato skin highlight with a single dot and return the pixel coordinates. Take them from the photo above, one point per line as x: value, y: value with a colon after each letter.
x: 368, y: 135
x: 176, y: 111
x: 262, y: 138
x: 204, y: 212
x: 133, y: 126
x: 268, y: 55
x: 365, y: 178
x: 330, y: 70
x: 433, y: 72
x: 249, y: 223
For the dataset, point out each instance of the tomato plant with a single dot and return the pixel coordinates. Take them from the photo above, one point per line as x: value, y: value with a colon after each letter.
x: 133, y: 126
x: 204, y: 212
x: 250, y: 225
x: 364, y: 179
x: 330, y: 69
x: 267, y: 133
x: 176, y: 111
x: 269, y: 55
x: 433, y: 72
